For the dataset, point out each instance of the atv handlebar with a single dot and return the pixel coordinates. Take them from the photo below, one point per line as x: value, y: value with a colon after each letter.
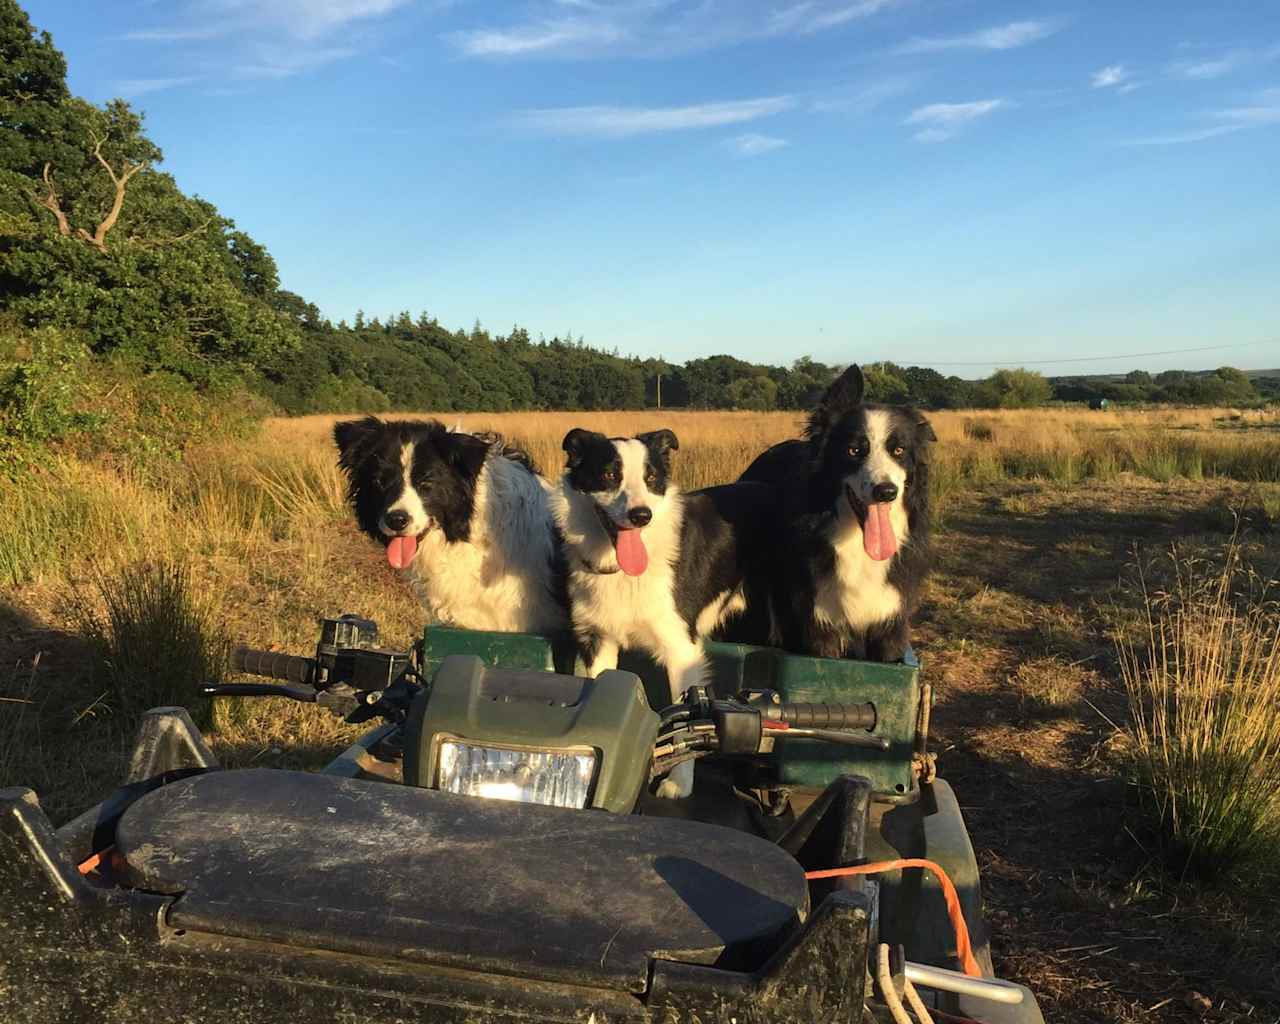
x: 274, y: 665
x: 822, y: 716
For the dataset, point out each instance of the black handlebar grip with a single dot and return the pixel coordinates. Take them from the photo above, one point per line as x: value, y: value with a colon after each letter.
x: 827, y: 716
x: 274, y: 665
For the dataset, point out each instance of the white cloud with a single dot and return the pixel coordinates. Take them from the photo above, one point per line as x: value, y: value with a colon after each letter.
x: 998, y: 37
x: 864, y: 97
x: 621, y: 122
x: 656, y: 28
x: 754, y: 144
x: 270, y: 38
x: 1265, y: 109
x: 1180, y: 138
x: 1223, y: 64
x: 530, y: 39
x: 811, y: 16
x: 285, y: 62
x: 133, y: 87
x: 1109, y: 77
x: 942, y: 121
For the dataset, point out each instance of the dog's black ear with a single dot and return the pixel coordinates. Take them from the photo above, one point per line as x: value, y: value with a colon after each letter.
x: 660, y: 442
x: 576, y: 441
x: 843, y: 395
x: 464, y: 452
x: 353, y: 438
x: 845, y: 392
x: 926, y: 429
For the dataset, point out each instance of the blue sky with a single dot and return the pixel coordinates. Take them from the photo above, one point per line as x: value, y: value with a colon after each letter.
x: 940, y: 182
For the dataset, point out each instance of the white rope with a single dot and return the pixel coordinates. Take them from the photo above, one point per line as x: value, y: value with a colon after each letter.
x: 917, y: 1004
x: 884, y: 978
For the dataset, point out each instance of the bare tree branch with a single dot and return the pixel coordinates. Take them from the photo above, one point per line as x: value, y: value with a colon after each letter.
x: 50, y: 203
x: 121, y: 182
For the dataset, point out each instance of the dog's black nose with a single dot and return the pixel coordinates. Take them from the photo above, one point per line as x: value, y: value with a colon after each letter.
x: 884, y: 492
x: 397, y: 520
x: 640, y: 516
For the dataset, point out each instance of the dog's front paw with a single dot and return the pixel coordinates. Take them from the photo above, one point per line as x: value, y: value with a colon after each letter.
x: 678, y: 784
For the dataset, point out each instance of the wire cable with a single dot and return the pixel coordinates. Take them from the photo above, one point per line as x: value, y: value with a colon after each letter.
x: 964, y: 950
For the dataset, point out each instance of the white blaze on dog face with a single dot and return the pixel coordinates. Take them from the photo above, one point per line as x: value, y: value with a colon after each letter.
x: 880, y: 464
x: 869, y: 456
x: 626, y: 477
x: 407, y: 503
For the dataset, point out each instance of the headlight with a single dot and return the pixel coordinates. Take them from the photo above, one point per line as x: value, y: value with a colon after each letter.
x: 559, y: 778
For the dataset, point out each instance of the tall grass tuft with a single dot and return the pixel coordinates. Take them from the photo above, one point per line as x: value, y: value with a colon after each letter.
x: 1203, y: 683
x: 153, y: 642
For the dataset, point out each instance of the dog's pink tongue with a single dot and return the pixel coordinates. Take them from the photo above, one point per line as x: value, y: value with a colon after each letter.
x: 400, y: 551
x: 633, y: 559
x: 877, y: 532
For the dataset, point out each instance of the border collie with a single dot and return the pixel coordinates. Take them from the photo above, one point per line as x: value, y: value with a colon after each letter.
x: 846, y: 577
x: 465, y: 517
x: 650, y: 567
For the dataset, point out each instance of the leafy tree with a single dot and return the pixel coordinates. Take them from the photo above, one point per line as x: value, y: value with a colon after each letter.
x: 1017, y: 389
x: 886, y: 382
x: 758, y: 393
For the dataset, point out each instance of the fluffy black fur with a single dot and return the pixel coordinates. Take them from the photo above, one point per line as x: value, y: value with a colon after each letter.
x: 445, y: 468
x: 810, y: 476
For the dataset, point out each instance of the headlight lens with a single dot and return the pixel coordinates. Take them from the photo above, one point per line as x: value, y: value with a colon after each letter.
x: 558, y: 778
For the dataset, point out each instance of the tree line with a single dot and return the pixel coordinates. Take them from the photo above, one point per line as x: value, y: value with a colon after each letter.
x: 142, y: 316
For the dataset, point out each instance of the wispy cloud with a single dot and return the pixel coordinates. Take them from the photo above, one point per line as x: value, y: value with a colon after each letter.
x: 1215, y: 68
x: 998, y: 37
x: 1222, y: 64
x: 1262, y: 108
x: 621, y: 122
x: 754, y: 144
x: 655, y: 28
x: 1109, y: 77
x: 1179, y: 138
x: 133, y: 87
x: 531, y: 39
x: 285, y: 62
x: 812, y: 16
x: 278, y: 39
x: 865, y: 96
x: 941, y: 121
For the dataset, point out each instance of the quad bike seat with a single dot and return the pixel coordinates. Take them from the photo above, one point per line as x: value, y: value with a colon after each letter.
x: 396, y: 872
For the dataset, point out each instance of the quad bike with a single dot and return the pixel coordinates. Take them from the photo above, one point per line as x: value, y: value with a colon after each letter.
x: 494, y: 852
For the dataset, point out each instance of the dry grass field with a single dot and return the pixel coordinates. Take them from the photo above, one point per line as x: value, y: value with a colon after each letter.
x: 1049, y: 521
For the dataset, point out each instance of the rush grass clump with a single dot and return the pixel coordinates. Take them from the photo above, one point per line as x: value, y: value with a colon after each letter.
x: 152, y: 641
x: 1203, y: 681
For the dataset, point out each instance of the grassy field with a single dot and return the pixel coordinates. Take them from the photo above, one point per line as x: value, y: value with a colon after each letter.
x: 1048, y: 518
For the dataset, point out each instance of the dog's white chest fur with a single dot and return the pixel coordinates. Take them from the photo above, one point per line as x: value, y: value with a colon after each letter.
x: 500, y: 579
x: 858, y: 594
x: 636, y: 611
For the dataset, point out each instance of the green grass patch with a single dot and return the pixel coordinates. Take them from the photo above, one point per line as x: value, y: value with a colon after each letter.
x: 1203, y: 680
x: 152, y: 641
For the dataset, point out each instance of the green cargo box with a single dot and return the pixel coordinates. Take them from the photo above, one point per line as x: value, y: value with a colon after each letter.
x: 895, y: 690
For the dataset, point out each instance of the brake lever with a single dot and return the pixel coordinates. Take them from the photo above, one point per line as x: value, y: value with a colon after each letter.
x: 294, y: 691
x: 849, y: 739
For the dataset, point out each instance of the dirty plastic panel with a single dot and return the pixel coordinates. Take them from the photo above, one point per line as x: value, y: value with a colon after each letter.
x: 895, y: 689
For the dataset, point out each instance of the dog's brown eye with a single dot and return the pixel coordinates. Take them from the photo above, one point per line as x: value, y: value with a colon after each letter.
x: 650, y: 477
x: 898, y: 451
x: 856, y: 451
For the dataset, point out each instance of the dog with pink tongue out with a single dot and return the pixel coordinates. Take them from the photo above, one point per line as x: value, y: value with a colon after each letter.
x: 649, y: 567
x: 464, y: 517
x: 854, y: 551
